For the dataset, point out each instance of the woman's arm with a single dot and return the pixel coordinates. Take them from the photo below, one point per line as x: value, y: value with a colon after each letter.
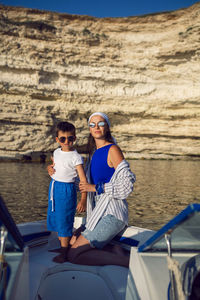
x: 122, y: 186
x: 86, y: 187
x: 115, y: 156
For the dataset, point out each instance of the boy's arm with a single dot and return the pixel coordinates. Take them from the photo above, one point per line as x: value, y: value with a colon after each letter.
x: 81, y: 207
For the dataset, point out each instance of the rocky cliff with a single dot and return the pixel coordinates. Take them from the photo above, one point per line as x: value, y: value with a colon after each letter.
x: 144, y: 72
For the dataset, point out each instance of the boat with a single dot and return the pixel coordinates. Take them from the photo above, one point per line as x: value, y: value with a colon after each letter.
x: 164, y: 264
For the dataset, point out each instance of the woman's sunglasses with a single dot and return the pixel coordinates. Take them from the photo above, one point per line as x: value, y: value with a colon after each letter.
x: 99, y: 124
x: 70, y: 138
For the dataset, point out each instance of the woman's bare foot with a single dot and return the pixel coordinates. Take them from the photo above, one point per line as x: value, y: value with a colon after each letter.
x: 73, y: 240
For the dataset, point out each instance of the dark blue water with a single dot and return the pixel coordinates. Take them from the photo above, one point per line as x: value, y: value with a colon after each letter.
x: 163, y: 189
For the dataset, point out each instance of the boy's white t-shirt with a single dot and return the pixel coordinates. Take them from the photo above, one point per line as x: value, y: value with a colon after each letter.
x: 65, y: 165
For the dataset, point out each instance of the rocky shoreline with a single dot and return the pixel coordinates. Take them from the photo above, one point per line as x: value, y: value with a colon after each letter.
x: 43, y: 157
x: 142, y: 71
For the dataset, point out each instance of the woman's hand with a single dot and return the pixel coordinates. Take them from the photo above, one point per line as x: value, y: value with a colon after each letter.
x: 86, y: 187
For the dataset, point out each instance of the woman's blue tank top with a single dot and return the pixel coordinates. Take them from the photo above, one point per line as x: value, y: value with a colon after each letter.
x: 99, y: 169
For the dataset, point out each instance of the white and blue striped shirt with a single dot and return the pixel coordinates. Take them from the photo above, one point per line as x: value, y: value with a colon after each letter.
x: 113, y: 200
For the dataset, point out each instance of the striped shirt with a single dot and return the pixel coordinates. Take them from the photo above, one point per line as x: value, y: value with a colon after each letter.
x: 113, y: 200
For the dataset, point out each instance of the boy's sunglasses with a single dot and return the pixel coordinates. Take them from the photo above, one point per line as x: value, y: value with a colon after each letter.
x: 70, y: 138
x: 100, y: 124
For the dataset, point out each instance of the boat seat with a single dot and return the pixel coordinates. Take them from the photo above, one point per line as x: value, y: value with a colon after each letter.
x: 74, y: 282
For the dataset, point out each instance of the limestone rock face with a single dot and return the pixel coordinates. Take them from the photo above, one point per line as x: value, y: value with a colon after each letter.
x: 144, y: 72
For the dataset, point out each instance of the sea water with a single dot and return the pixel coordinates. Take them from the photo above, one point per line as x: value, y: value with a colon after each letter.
x: 162, y: 189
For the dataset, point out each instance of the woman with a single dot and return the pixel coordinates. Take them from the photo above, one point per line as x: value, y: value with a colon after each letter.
x: 110, y: 181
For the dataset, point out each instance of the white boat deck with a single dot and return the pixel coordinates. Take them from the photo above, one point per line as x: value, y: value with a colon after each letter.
x: 163, y: 264
x: 47, y: 280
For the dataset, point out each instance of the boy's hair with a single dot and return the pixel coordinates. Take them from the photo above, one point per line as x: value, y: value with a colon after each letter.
x: 65, y: 126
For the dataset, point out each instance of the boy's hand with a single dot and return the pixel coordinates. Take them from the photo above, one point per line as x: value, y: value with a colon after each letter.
x: 50, y: 168
x: 81, y: 207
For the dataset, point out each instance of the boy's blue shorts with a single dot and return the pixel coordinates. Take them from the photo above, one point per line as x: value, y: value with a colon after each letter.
x: 61, y: 219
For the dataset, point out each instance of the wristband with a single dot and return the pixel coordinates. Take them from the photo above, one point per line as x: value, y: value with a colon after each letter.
x: 99, y: 188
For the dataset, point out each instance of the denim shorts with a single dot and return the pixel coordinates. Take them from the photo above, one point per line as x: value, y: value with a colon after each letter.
x: 106, y: 229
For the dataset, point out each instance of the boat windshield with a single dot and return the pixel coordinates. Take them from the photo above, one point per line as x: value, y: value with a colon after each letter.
x: 11, y: 239
x: 11, y: 252
x: 184, y: 233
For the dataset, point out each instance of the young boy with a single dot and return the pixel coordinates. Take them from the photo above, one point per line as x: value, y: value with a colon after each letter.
x: 62, y: 190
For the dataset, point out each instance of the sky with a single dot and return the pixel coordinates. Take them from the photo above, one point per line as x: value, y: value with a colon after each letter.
x: 103, y: 8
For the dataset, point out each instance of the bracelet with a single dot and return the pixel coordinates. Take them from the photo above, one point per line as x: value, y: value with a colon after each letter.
x: 99, y: 188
